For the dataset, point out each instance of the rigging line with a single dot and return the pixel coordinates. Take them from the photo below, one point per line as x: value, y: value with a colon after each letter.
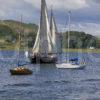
x: 19, y: 41
x: 69, y: 22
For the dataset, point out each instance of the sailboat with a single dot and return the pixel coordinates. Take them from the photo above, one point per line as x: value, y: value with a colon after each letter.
x: 68, y: 64
x: 43, y: 50
x: 20, y: 69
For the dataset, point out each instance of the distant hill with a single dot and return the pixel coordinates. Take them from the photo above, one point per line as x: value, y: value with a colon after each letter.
x: 6, y: 31
x: 9, y: 30
x: 98, y: 43
x: 80, y: 40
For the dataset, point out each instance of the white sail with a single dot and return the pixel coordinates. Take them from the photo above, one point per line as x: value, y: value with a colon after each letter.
x: 43, y: 43
x: 36, y: 45
x: 56, y: 37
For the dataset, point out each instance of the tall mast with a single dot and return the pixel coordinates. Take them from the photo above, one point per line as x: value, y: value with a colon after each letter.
x: 69, y: 18
x: 51, y: 27
x: 19, y: 40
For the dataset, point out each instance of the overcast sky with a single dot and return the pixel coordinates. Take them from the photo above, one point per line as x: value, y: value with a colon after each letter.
x: 85, y: 13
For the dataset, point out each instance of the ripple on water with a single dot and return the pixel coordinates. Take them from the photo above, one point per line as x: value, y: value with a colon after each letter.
x: 57, y: 82
x: 49, y: 83
x: 19, y: 85
x: 91, y: 80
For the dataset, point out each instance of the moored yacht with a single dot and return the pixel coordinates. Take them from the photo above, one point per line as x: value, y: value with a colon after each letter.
x: 44, y: 50
x: 68, y: 64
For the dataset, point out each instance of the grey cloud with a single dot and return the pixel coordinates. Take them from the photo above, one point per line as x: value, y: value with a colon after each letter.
x: 83, y: 11
x: 12, y: 9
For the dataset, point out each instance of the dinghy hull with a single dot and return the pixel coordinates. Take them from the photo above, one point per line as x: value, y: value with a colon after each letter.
x: 20, y: 71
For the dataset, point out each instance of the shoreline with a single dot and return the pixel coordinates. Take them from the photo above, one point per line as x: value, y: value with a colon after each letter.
x: 64, y: 50
x: 83, y: 50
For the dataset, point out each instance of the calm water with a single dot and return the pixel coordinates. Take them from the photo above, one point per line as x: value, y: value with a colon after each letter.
x: 48, y: 82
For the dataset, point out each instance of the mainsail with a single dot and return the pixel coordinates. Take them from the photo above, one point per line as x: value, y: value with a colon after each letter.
x: 56, y: 37
x: 43, y: 43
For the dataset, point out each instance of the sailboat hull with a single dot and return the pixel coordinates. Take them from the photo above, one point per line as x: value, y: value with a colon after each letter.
x: 43, y: 60
x: 69, y: 66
